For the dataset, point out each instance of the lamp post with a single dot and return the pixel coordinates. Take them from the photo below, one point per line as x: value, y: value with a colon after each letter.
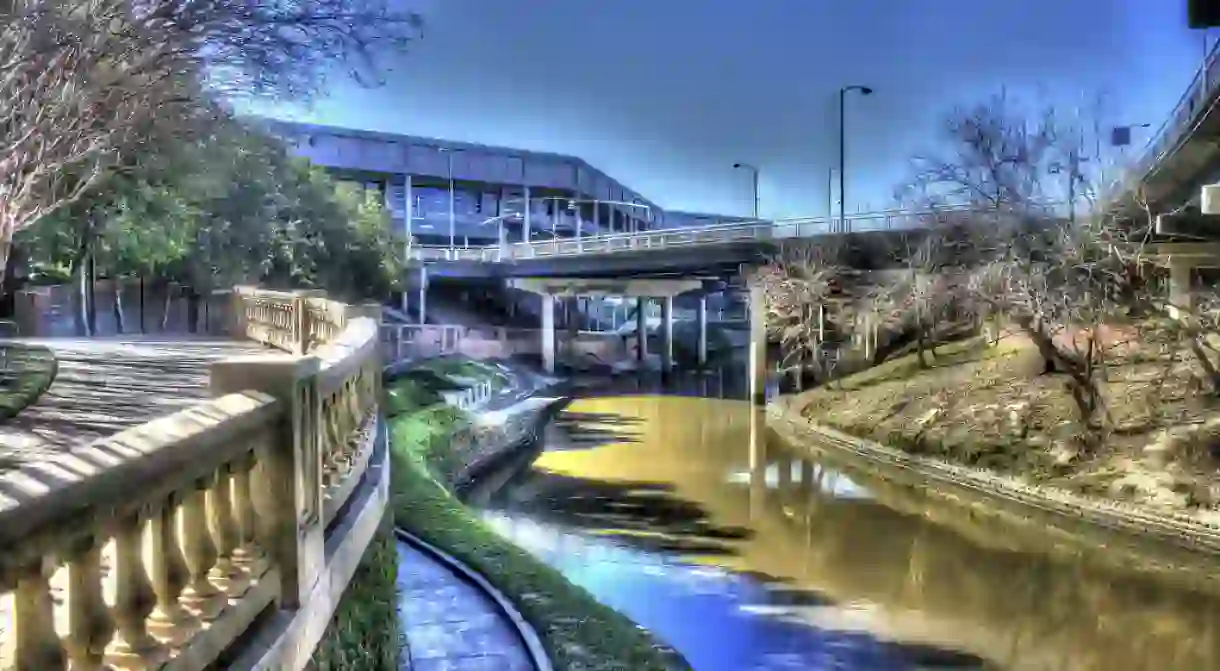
x: 864, y: 91
x: 754, y: 174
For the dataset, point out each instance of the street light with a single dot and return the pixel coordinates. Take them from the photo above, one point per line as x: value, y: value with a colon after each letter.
x: 864, y: 91
x: 754, y: 172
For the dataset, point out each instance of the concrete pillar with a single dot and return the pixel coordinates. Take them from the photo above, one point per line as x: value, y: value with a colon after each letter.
x: 641, y: 329
x: 1179, y: 288
x: 525, y: 227
x: 572, y: 315
x: 702, y: 317
x: 408, y: 213
x: 423, y: 294
x: 548, y: 333
x: 597, y: 218
x: 667, y: 333
x: 758, y: 346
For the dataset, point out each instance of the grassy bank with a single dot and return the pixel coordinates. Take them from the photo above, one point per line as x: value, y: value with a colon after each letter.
x: 992, y: 407
x: 364, y: 633
x: 577, y: 630
x: 26, y: 371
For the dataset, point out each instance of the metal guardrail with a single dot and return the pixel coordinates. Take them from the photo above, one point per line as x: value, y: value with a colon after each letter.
x: 667, y: 238
x: 1180, y: 123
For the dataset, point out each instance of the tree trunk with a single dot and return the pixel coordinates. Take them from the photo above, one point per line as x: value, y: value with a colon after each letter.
x: 90, y: 291
x: 119, y: 326
x: 1196, y: 348
x: 82, y: 298
x: 169, y: 295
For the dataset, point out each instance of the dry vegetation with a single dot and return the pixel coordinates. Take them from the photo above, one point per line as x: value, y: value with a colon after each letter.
x: 1013, y: 336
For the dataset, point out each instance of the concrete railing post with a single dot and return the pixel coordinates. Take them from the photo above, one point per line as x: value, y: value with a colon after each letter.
x: 237, y: 317
x: 289, y: 515
x: 300, y: 327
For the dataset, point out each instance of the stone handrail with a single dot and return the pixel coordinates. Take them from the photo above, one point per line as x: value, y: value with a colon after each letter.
x: 161, y: 546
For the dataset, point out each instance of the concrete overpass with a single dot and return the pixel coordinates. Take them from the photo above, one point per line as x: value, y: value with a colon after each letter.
x: 664, y: 252
x: 655, y: 265
x: 1184, y: 152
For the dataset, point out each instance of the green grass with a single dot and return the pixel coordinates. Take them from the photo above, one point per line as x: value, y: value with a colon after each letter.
x: 363, y: 635
x: 26, y: 372
x: 579, y: 632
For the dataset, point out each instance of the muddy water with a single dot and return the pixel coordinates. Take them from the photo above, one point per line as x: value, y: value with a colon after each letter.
x: 677, y: 511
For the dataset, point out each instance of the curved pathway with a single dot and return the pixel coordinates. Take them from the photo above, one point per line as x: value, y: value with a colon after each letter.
x: 450, y: 624
x: 106, y: 385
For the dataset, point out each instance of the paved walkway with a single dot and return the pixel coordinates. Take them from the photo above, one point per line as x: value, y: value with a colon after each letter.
x: 106, y: 385
x: 449, y: 624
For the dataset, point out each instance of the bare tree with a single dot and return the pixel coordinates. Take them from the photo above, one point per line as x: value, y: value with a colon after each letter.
x: 84, y: 84
x: 1057, y: 277
x: 799, y: 282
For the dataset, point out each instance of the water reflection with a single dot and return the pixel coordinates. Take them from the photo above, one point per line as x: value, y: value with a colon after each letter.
x: 745, y: 556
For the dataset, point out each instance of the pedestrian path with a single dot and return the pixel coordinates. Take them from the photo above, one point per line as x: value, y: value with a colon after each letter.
x: 106, y: 385
x: 450, y: 624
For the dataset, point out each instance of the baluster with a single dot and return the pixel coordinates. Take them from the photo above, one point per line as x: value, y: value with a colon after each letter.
x: 133, y: 598
x: 35, y: 645
x: 325, y: 440
x: 224, y: 532
x: 89, y: 623
x: 338, y: 439
x: 247, y: 552
x: 199, y: 594
x: 168, y: 571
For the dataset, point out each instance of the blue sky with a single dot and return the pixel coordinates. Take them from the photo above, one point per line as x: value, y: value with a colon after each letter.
x: 665, y: 95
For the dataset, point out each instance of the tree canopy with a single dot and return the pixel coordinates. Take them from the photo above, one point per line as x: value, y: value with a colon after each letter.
x: 228, y: 208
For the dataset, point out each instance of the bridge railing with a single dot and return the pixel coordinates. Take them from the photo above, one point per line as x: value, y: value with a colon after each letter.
x: 670, y: 238
x: 161, y: 546
x: 1179, y: 125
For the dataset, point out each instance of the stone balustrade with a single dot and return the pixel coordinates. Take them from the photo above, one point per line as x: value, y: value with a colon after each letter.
x: 218, y: 536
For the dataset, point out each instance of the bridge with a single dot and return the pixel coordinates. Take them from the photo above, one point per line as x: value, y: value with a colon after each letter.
x: 218, y: 534
x: 637, y: 253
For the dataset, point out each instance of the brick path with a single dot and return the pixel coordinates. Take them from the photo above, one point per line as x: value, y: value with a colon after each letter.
x: 449, y: 625
x: 106, y: 385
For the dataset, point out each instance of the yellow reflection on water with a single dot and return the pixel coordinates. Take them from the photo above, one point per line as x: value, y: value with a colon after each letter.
x: 890, y: 563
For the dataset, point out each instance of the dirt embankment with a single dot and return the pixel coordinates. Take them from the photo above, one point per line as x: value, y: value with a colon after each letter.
x: 991, y: 406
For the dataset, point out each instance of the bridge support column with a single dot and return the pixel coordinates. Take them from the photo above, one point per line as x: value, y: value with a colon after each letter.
x: 667, y: 333
x: 548, y: 333
x: 525, y: 227
x: 423, y: 294
x: 641, y: 329
x: 571, y: 314
x: 758, y: 346
x: 1179, y: 288
x: 702, y: 318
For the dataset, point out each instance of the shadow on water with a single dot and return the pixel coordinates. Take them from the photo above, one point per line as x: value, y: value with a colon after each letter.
x: 575, y: 430
x: 643, y: 515
x: 743, y: 555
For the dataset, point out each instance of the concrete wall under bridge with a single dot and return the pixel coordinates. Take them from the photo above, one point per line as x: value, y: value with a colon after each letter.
x: 423, y: 340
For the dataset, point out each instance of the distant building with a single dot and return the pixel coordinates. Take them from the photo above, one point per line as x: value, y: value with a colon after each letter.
x: 537, y: 195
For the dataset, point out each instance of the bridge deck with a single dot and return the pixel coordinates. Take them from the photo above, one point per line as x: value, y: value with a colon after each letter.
x: 106, y: 385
